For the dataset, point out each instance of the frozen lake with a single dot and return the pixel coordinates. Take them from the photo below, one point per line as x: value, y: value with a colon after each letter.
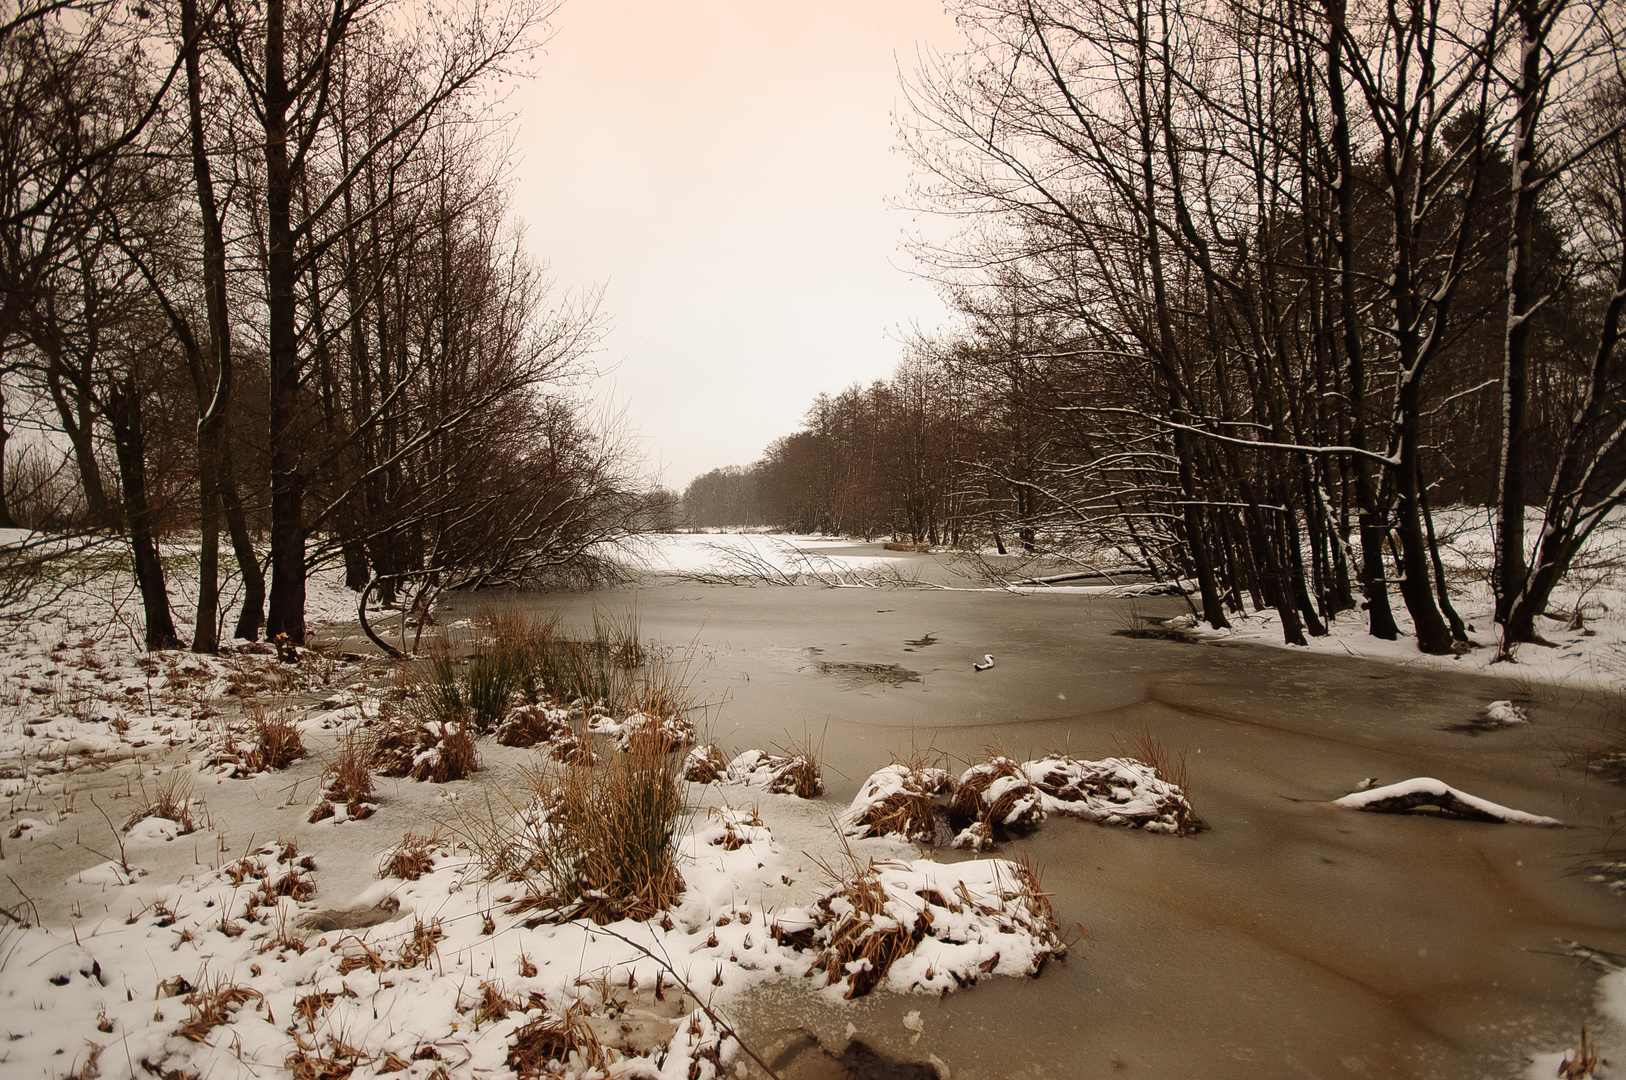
x: 1292, y: 938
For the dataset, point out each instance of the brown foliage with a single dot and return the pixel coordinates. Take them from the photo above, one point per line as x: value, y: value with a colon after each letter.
x: 211, y: 1008
x: 412, y: 858
x: 549, y: 1041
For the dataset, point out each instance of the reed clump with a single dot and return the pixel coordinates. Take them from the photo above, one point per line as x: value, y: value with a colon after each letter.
x: 900, y: 800
x: 431, y: 750
x: 998, y: 796
x: 348, y: 781
x: 517, y: 669
x: 274, y: 742
x: 545, y: 1046
x: 212, y: 1007
x: 609, y: 850
x: 413, y: 857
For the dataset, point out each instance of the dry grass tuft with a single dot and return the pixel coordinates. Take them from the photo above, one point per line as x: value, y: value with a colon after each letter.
x: 705, y: 765
x: 543, y: 1047
x: 801, y: 774
x: 879, y: 913
x: 433, y: 751
x: 610, y: 850
x: 347, y: 781
x: 528, y: 725
x: 90, y: 1068
x: 1583, y: 1061
x: 900, y: 800
x: 357, y: 955
x: 863, y: 942
x: 422, y: 946
x: 310, y: 1007
x: 213, y: 1007
x: 274, y: 740
x: 285, y: 938
x: 308, y: 1063
x: 172, y: 800
x: 796, y: 773
x: 1149, y: 751
x: 412, y: 858
x: 997, y: 796
x: 493, y: 1005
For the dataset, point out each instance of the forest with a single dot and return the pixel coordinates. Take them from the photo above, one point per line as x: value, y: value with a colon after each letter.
x: 1247, y: 291
x: 261, y: 285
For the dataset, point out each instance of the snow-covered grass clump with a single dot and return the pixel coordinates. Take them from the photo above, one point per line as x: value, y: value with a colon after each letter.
x: 1000, y: 798
x: 926, y: 927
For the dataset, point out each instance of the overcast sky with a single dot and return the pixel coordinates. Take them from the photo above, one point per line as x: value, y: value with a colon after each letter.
x: 724, y: 169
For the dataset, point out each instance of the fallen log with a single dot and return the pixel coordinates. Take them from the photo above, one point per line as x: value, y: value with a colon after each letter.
x: 1427, y: 791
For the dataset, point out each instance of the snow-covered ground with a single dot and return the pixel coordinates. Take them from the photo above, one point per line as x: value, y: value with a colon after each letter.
x: 160, y: 918
x: 124, y: 954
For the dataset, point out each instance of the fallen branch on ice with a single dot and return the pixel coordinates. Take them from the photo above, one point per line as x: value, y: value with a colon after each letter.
x: 1427, y: 791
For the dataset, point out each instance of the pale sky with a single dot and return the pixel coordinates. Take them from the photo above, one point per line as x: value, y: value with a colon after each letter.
x: 724, y: 169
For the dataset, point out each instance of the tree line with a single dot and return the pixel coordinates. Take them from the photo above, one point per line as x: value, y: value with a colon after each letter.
x: 259, y: 282
x: 1249, y: 289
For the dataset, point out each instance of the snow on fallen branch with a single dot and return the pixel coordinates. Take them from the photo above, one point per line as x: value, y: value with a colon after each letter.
x: 1427, y: 791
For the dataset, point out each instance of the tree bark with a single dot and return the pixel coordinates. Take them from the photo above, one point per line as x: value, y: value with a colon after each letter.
x: 286, y: 613
x: 124, y: 416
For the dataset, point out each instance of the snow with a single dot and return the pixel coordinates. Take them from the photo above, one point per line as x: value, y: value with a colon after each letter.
x: 1592, y: 654
x: 735, y: 553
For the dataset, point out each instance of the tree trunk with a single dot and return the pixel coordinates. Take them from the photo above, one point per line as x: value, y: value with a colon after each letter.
x: 286, y: 613
x: 124, y: 416
x: 251, y: 616
x: 213, y: 395
x: 6, y: 519
x: 1511, y: 568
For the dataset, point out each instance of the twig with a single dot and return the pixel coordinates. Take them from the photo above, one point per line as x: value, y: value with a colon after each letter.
x: 29, y: 900
x: 722, y: 1025
x: 124, y: 859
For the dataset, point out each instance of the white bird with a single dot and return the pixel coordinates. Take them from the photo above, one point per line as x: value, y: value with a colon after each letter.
x: 987, y: 662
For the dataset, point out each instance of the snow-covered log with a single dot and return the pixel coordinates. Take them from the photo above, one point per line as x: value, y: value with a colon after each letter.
x: 1427, y: 791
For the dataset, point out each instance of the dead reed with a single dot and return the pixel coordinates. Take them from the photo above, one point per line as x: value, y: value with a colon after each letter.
x: 705, y: 765
x: 430, y: 750
x: 172, y: 800
x: 422, y: 946
x: 543, y: 1047
x: 1148, y: 750
x: 493, y: 1005
x: 412, y: 858
x: 801, y: 775
x: 274, y: 740
x: 900, y: 800
x: 528, y: 725
x: 860, y: 940
x: 347, y: 781
x: 213, y: 1007
x: 998, y: 796
x: 612, y: 828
